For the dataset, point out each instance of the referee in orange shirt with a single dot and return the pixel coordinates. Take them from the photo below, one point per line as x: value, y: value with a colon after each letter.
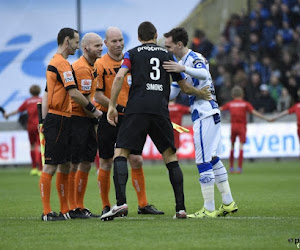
x: 83, y: 135
x: 60, y: 88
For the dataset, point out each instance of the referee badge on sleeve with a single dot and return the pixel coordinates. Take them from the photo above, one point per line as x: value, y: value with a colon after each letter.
x: 86, y: 84
x: 68, y: 76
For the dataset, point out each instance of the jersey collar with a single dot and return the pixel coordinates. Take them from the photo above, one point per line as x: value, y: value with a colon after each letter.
x: 185, y: 57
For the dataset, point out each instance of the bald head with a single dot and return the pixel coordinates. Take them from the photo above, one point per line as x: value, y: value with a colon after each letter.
x: 114, y: 42
x: 91, y: 44
x: 88, y: 38
x: 112, y: 31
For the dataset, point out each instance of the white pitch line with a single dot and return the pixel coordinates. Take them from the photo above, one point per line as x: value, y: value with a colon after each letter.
x: 169, y: 218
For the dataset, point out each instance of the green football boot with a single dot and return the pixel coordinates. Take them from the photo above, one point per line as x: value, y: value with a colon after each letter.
x: 227, y: 209
x: 203, y: 213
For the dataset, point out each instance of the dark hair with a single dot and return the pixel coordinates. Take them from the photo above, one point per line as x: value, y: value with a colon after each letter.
x: 35, y: 90
x: 178, y: 35
x: 146, y: 31
x: 63, y: 33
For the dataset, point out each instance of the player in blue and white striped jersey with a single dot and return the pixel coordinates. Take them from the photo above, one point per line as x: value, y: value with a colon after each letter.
x: 206, y: 124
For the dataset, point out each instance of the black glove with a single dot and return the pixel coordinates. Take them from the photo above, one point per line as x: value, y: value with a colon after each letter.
x: 121, y: 109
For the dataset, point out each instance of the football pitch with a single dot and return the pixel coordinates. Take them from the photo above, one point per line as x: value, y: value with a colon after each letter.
x: 267, y: 194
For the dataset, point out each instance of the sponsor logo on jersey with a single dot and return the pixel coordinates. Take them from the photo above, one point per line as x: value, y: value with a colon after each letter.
x: 238, y: 105
x: 68, y: 76
x: 154, y: 86
x: 151, y: 48
x: 86, y: 84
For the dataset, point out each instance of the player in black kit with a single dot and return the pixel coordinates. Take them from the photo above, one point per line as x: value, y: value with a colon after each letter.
x: 146, y: 113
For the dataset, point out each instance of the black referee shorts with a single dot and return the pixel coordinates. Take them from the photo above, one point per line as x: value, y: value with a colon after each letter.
x: 135, y: 127
x: 107, y: 137
x: 83, y: 140
x: 57, y: 130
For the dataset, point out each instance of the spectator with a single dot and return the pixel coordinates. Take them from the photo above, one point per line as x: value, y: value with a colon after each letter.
x: 252, y: 89
x: 240, y: 79
x: 236, y: 62
x: 232, y: 27
x: 254, y: 65
x: 264, y: 103
x: 268, y: 34
x: 225, y: 92
x: 254, y: 43
x: 275, y: 87
x: 222, y: 76
x: 285, y: 67
x: 295, y: 14
x: 285, y: 13
x: 284, y: 101
x: 201, y: 44
x: 277, y: 48
x: 296, y: 72
x: 286, y: 32
x: 266, y: 69
x: 276, y: 15
x: 221, y: 55
x: 254, y: 27
x: 293, y: 87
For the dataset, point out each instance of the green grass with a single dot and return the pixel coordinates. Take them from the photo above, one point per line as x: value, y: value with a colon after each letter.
x: 267, y: 194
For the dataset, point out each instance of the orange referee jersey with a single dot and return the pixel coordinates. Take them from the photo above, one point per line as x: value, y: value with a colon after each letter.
x: 59, y: 79
x: 107, y: 69
x: 86, y: 79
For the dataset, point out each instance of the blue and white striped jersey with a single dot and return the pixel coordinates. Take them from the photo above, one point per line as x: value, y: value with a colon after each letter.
x: 199, y: 77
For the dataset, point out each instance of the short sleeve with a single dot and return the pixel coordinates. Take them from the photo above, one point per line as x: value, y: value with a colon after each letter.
x: 66, y: 74
x: 84, y: 80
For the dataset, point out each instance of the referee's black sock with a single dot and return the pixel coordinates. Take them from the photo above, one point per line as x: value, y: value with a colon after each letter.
x: 120, y: 179
x: 176, y: 179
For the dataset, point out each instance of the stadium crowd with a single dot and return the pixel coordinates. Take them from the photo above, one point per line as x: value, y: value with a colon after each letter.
x: 258, y: 51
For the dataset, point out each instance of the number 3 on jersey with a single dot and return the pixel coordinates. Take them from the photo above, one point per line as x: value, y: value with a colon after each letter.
x: 156, y: 74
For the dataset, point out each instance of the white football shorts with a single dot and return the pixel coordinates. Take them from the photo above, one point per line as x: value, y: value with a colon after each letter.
x: 207, y: 139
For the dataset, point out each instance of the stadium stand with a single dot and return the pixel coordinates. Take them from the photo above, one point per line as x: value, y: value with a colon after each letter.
x: 259, y: 51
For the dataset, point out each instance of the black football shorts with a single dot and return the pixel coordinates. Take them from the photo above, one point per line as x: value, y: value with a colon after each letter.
x: 57, y: 130
x: 135, y: 127
x: 83, y: 140
x: 107, y: 136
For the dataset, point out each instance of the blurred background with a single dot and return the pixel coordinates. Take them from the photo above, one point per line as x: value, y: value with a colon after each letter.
x: 251, y: 43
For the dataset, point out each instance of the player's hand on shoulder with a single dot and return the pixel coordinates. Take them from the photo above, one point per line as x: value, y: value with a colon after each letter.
x: 171, y: 66
x: 112, y: 116
x: 204, y: 93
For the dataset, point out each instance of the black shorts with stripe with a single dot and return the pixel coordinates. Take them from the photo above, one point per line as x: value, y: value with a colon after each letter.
x: 107, y: 137
x: 83, y: 140
x: 135, y: 127
x: 57, y: 130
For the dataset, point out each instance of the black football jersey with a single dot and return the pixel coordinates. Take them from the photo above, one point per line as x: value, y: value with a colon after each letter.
x: 150, y: 88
